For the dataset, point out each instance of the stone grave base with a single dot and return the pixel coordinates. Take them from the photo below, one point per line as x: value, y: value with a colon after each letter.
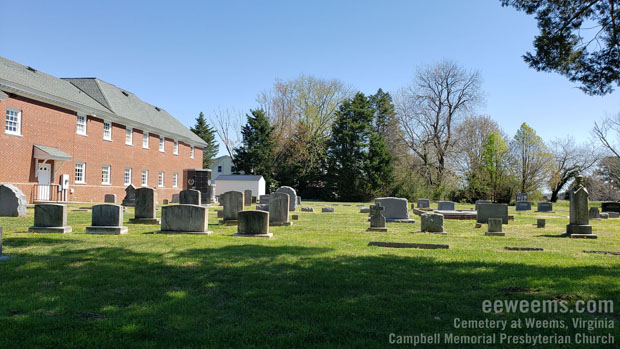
x: 280, y: 224
x: 184, y: 232
x: 498, y: 233
x: 268, y: 235
x: 229, y: 222
x: 478, y: 225
x: 295, y: 217
x: 457, y: 214
x: 106, y: 230
x: 380, y: 229
x: 583, y: 236
x: 145, y: 221
x: 547, y: 212
x: 603, y: 252
x: 578, y: 229
x: 522, y: 248
x: 60, y: 230
x: 407, y: 245
x: 393, y: 220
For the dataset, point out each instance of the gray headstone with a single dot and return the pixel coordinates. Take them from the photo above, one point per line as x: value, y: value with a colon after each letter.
x: 233, y: 204
x: 130, y: 196
x: 540, y: 223
x: 579, y: 215
x: 190, y: 197
x: 262, y: 207
x: 521, y: 197
x: 109, y: 198
x: 50, y: 215
x: 545, y: 206
x: 107, y: 215
x: 613, y: 214
x: 377, y: 219
x: 395, y: 208
x: 263, y: 199
x: 424, y: 203
x: 432, y: 223
x: 365, y: 210
x: 523, y: 206
x: 610, y: 206
x: 495, y: 225
x: 185, y: 218
x: 247, y: 197
x: 298, y: 200
x: 253, y: 223
x: 594, y: 213
x: 486, y: 211
x: 279, y: 208
x: 165, y: 202
x: 292, y: 195
x: 445, y: 206
x: 12, y: 201
x: 307, y: 209
x: 327, y: 209
x: 604, y: 215
x: 176, y: 198
x: 478, y: 202
x: 146, y: 199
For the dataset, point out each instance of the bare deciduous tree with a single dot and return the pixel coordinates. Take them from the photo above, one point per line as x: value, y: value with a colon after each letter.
x: 570, y: 159
x: 227, y: 124
x: 610, y: 124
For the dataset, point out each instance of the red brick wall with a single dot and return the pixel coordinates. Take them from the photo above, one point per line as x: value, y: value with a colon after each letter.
x: 56, y: 127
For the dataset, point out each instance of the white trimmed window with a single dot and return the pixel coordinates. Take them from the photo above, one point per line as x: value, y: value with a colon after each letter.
x: 175, y: 180
x: 80, y: 172
x: 13, y: 124
x: 127, y: 176
x: 107, y: 130
x: 105, y: 174
x: 191, y: 152
x: 129, y: 136
x: 176, y: 148
x: 160, y: 179
x: 80, y: 126
x: 162, y: 143
x: 145, y: 140
x: 145, y: 178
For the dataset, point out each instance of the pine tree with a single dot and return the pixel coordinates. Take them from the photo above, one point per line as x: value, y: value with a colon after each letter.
x: 207, y: 134
x: 255, y: 155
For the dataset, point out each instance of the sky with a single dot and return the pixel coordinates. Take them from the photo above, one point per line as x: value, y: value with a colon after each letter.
x: 188, y: 57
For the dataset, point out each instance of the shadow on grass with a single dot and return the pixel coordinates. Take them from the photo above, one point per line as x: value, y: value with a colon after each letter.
x: 17, y: 241
x: 255, y: 295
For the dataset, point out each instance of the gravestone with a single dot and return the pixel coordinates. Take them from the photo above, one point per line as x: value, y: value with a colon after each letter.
x: 610, y: 206
x: 298, y: 200
x: 233, y: 204
x: 486, y: 211
x: 12, y: 201
x: 579, y: 226
x: 165, y: 202
x: 292, y: 196
x: 295, y: 217
x: 146, y: 206
x: 377, y: 219
x: 262, y: 207
x: 521, y: 197
x: 107, y: 219
x: 432, y: 223
x: 50, y: 218
x: 219, y: 213
x: 613, y: 214
x: 130, y: 196
x: 247, y: 198
x: 279, y: 209
x: 523, y: 206
x: 593, y: 213
x: 495, y: 227
x: 545, y: 207
x: 188, y: 219
x: 540, y: 223
x: 327, y: 209
x: 109, y: 198
x: 176, y: 198
x: 424, y: 203
x: 396, y: 209
x: 253, y: 224
x: 190, y: 197
x: 264, y: 199
x: 478, y: 202
x: 365, y: 210
x: 445, y: 206
x: 307, y: 209
x: 604, y: 215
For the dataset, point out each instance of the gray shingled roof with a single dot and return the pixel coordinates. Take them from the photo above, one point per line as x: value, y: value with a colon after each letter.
x: 238, y: 178
x: 55, y: 153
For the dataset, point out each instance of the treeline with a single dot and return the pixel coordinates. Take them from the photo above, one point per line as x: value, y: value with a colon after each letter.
x: 427, y: 140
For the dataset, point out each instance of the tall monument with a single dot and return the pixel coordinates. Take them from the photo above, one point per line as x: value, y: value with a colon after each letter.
x: 579, y: 226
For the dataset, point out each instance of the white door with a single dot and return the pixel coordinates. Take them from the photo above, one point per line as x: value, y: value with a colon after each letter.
x: 44, y: 176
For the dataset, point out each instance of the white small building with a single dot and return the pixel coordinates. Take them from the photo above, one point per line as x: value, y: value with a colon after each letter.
x: 224, y: 183
x: 221, y: 166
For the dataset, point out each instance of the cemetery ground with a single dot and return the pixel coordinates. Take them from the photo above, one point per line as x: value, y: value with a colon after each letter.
x: 315, y: 283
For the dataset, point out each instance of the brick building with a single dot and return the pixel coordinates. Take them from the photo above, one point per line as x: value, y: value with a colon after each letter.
x: 79, y: 139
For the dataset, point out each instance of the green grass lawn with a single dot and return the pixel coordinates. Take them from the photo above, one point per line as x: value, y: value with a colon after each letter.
x: 316, y: 283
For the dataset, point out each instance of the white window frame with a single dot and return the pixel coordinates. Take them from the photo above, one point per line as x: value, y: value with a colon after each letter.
x: 107, y: 136
x: 75, y: 176
x: 145, y: 178
x: 104, y: 169
x: 145, y: 140
x: 191, y: 151
x: 79, y: 124
x: 175, y: 180
x: 160, y: 179
x: 129, y: 136
x: 175, y: 150
x: 127, y: 175
x: 162, y: 144
x: 18, y: 122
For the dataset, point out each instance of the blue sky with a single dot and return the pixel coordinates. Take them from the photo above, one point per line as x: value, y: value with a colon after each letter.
x: 188, y: 57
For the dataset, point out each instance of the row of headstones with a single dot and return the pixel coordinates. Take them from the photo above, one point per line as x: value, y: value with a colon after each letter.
x: 450, y: 205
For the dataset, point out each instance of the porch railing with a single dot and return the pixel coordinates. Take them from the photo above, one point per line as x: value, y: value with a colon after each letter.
x: 46, y: 192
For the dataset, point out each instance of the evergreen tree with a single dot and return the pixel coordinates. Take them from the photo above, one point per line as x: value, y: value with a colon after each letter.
x: 379, y: 168
x: 255, y: 155
x: 207, y: 134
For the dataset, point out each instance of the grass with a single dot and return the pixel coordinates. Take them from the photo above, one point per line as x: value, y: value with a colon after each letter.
x: 316, y: 283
